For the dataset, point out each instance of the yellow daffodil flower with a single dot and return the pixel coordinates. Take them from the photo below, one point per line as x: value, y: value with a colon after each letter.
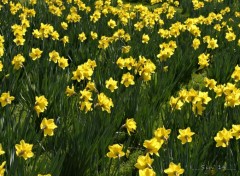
x: 70, y: 91
x: 145, y: 38
x: 115, y: 151
x: 6, y: 99
x: 236, y: 131
x: 111, y: 84
x: 130, y: 125
x: 18, y: 61
x: 185, y: 135
x: 2, y: 170
x: 24, y: 150
x: 144, y: 162
x: 35, y: 54
x: 62, y: 62
x: 104, y: 102
x: 162, y: 134
x: 48, y: 126
x: 223, y: 138
x: 127, y: 79
x: 147, y: 172
x: 152, y: 146
x: 174, y: 169
x: 41, y: 104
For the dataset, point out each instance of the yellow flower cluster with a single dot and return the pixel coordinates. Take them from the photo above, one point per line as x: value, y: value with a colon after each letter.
x: 19, y: 31
x: 14, y: 8
x: 104, y: 102
x: 144, y: 165
x: 197, y: 98
x: 223, y: 137
x: 203, y: 60
x: 45, y: 31
x: 55, y: 7
x: 229, y: 90
x: 197, y: 4
x: 166, y: 50
x: 56, y: 58
x: 86, y: 98
x: 73, y: 16
x: 153, y: 145
x: 143, y: 67
x: 41, y: 104
x: 129, y: 62
x: 174, y: 31
x: 84, y: 71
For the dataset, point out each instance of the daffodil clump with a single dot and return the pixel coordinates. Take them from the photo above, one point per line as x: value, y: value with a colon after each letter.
x: 152, y: 146
x: 223, y: 137
x: 143, y: 67
x: 197, y: 98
